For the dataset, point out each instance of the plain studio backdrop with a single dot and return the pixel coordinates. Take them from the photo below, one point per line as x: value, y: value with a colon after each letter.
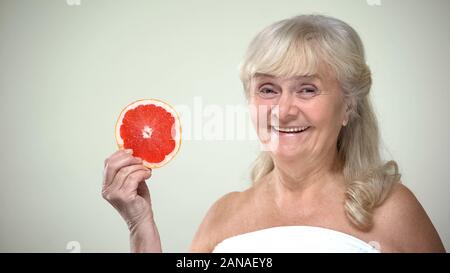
x: 68, y: 67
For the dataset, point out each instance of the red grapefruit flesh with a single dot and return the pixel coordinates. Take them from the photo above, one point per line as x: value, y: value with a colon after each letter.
x: 152, y: 129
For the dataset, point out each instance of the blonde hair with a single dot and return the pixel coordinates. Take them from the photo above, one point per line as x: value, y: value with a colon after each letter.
x: 297, y: 46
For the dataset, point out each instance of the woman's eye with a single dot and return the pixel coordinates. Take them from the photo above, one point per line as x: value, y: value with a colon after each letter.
x: 267, y: 92
x: 307, y: 92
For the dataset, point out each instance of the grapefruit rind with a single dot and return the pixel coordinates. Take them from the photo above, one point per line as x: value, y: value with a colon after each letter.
x: 176, y: 128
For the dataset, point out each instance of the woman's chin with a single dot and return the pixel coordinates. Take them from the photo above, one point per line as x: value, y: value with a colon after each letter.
x: 286, y: 153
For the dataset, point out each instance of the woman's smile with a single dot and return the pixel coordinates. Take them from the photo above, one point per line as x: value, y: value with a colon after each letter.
x: 290, y: 130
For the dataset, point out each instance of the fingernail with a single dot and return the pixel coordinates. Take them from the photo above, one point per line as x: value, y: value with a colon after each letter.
x: 129, y: 151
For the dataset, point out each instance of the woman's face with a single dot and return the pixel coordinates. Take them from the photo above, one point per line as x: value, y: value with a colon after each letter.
x: 298, y: 116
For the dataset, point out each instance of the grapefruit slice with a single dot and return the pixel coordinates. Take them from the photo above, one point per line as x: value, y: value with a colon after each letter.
x: 152, y: 129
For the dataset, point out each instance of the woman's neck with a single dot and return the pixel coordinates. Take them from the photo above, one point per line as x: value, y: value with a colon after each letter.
x: 304, y: 180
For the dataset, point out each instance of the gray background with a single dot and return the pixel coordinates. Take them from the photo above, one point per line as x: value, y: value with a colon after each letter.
x: 66, y: 71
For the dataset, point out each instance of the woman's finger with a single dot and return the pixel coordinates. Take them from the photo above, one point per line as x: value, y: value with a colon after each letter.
x: 114, y: 155
x: 122, y: 175
x: 116, y: 163
x: 133, y: 180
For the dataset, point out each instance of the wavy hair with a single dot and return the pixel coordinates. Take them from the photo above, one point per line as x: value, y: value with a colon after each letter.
x: 297, y: 46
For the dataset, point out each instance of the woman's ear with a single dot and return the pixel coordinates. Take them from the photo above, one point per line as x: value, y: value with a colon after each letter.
x: 347, y: 113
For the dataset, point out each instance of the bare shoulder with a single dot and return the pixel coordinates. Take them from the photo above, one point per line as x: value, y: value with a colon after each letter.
x: 214, y: 225
x: 402, y: 219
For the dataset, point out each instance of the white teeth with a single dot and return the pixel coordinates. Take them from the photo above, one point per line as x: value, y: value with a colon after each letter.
x: 290, y: 130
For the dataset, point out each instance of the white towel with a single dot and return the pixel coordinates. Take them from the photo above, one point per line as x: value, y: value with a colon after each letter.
x: 296, y: 239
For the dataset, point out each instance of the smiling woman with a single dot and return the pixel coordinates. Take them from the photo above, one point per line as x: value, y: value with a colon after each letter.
x: 321, y: 185
x: 341, y: 124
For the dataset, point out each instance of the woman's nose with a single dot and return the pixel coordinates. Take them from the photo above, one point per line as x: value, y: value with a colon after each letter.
x: 287, y: 109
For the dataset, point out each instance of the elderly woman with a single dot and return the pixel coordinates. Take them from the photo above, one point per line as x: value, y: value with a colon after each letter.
x: 320, y: 184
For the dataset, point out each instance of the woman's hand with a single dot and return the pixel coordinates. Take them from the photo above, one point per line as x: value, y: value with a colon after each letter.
x: 125, y: 189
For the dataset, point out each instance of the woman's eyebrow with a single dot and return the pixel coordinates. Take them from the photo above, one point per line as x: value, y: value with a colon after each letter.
x: 261, y: 76
x: 308, y: 77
